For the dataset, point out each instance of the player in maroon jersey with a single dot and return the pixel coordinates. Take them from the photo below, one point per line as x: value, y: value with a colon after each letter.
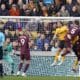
x: 72, y: 36
x: 24, y: 52
x: 70, y: 40
x: 76, y: 49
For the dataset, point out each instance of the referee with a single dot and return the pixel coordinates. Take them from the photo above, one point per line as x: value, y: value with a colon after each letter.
x: 2, y: 40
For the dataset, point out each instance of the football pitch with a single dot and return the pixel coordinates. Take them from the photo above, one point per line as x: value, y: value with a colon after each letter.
x: 39, y: 78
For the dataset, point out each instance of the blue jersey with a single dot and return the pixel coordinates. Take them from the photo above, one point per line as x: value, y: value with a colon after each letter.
x: 2, y: 38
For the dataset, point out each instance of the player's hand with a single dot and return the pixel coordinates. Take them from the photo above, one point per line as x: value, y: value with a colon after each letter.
x: 69, y: 36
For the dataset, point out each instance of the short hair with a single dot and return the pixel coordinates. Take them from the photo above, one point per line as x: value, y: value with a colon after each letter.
x: 76, y: 22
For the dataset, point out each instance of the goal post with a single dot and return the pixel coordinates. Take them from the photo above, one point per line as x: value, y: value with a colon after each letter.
x: 41, y: 60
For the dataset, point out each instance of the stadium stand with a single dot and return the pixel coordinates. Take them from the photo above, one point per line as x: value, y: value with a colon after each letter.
x: 63, y: 8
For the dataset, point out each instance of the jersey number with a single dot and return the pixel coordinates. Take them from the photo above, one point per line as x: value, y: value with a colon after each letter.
x: 22, y: 41
x: 73, y: 31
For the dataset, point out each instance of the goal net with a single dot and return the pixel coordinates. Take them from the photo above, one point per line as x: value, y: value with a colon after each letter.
x: 41, y: 59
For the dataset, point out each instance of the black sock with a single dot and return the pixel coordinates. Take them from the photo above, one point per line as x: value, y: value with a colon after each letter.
x: 12, y: 72
x: 1, y: 70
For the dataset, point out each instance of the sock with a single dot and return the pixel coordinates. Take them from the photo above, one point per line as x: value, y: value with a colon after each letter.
x: 26, y: 67
x: 63, y: 58
x: 79, y: 69
x: 56, y: 56
x: 1, y: 70
x: 12, y: 68
x: 75, y: 63
x: 20, y: 66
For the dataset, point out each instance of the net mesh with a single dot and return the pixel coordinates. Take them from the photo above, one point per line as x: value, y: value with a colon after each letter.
x: 40, y: 65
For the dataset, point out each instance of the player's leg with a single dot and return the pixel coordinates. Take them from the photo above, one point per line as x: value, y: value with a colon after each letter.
x: 75, y: 64
x: 12, y: 65
x: 1, y: 68
x: 21, y: 63
x: 56, y: 57
x: 66, y: 50
x: 61, y: 45
x: 10, y: 61
x: 7, y: 58
x: 27, y: 63
x: 79, y: 63
x: 1, y: 62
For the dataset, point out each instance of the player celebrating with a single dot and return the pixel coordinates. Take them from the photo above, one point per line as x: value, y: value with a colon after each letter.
x: 7, y: 54
x: 60, y: 33
x: 24, y: 52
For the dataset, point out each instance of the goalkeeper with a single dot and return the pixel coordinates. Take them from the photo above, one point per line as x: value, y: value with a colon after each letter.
x: 7, y: 56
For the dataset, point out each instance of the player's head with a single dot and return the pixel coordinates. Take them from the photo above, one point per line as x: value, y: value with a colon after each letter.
x: 59, y: 24
x: 46, y: 45
x: 24, y: 32
x: 42, y: 36
x: 76, y: 23
x: 21, y: 32
x: 8, y: 40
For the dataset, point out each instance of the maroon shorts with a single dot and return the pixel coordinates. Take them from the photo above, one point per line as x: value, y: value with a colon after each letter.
x: 78, y: 46
x: 68, y: 44
x: 25, y: 56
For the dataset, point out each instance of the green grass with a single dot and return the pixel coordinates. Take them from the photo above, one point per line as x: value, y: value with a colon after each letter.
x: 39, y: 78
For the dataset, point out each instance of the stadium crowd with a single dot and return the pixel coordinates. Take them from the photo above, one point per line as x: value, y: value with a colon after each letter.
x: 40, y: 8
x: 40, y: 33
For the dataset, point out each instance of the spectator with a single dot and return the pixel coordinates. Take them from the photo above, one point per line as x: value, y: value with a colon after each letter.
x: 14, y: 37
x: 31, y: 44
x: 36, y: 48
x: 41, y: 7
x: 23, y: 10
x: 40, y: 41
x: 69, y: 5
x: 57, y: 4
x: 46, y: 47
x: 52, y: 10
x: 20, y: 3
x: 9, y: 4
x: 10, y: 25
x: 74, y: 12
x: 40, y: 28
x: 7, y: 33
x: 44, y: 11
x: 3, y: 10
x: 64, y: 12
x: 34, y: 12
x: 48, y: 2
x: 14, y: 11
x: 31, y: 4
x: 78, y: 6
